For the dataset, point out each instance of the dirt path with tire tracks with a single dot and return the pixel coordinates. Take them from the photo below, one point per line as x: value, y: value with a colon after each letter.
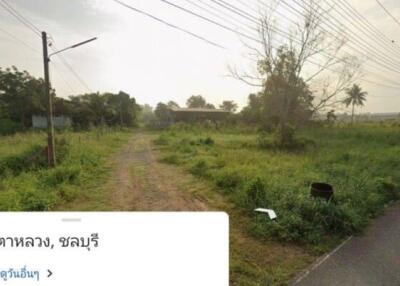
x: 141, y: 183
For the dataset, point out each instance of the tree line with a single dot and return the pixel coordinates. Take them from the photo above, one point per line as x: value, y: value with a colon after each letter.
x: 22, y: 96
x: 279, y: 104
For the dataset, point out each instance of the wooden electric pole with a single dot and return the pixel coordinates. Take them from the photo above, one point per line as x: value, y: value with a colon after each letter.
x: 51, y: 152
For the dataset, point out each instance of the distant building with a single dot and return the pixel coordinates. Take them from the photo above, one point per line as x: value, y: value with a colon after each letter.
x: 197, y: 114
x: 59, y: 122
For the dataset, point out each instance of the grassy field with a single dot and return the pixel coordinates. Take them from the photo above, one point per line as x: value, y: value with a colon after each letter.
x: 234, y: 171
x: 361, y: 162
x: 248, y: 171
x: 26, y: 184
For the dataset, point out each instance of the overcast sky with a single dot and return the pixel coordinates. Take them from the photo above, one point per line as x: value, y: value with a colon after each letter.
x: 153, y: 62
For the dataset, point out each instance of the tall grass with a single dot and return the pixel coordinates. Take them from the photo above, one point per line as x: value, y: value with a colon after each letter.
x: 27, y: 184
x: 362, y: 163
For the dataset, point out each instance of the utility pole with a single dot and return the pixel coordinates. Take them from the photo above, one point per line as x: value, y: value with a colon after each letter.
x: 51, y: 152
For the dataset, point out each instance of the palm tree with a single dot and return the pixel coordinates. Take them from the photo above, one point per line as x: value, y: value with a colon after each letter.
x: 355, y: 97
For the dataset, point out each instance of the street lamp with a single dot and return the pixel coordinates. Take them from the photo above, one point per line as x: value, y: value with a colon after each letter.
x: 73, y: 46
x: 51, y: 153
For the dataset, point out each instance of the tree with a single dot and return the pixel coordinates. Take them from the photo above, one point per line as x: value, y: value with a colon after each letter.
x: 196, y: 101
x: 107, y: 108
x: 162, y: 112
x: 331, y: 116
x: 252, y: 112
x: 172, y: 104
x: 229, y: 105
x: 21, y: 95
x: 209, y: 106
x: 308, y: 59
x: 355, y: 97
x: 147, y: 116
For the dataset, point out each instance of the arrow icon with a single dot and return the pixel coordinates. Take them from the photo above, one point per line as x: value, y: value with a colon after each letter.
x: 49, y: 273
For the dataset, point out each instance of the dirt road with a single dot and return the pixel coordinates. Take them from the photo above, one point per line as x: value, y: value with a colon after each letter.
x: 141, y: 183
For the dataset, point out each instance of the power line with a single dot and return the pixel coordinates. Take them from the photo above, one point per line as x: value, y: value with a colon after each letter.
x: 38, y: 52
x: 355, y: 40
x: 209, y: 20
x: 255, y: 20
x: 380, y: 62
x: 37, y: 31
x: 369, y: 25
x: 354, y: 47
x: 387, y: 12
x: 292, y: 21
x: 235, y: 10
x: 20, y: 41
x: 169, y: 24
x: 67, y: 84
x: 69, y: 67
x: 19, y: 17
x: 351, y: 16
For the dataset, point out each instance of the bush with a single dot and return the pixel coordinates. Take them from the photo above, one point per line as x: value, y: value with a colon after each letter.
x: 206, y: 141
x: 37, y: 200
x: 311, y: 220
x: 170, y: 159
x: 32, y: 159
x: 60, y: 175
x: 7, y: 126
x: 256, y: 194
x: 364, y: 177
x: 228, y: 179
x: 26, y: 184
x: 263, y: 141
x: 62, y: 149
x: 387, y: 188
x: 200, y: 168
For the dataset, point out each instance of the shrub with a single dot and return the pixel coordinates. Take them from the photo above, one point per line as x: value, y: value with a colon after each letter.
x: 200, y: 168
x: 387, y: 188
x: 170, y: 159
x: 310, y: 220
x: 62, y: 149
x: 37, y: 200
x: 262, y: 141
x: 228, y: 179
x: 7, y: 126
x: 279, y: 178
x: 206, y: 141
x: 61, y: 174
x: 31, y: 159
x: 256, y: 193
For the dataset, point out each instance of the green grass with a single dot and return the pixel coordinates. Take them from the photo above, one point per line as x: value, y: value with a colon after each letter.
x: 248, y: 171
x: 362, y: 163
x: 26, y: 184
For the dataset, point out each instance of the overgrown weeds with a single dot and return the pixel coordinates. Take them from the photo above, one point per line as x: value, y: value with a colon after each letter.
x: 252, y: 171
x: 27, y: 184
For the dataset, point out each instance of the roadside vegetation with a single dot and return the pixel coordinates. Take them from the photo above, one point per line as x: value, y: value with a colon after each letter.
x: 27, y: 184
x: 22, y: 96
x: 266, y: 155
x: 251, y: 171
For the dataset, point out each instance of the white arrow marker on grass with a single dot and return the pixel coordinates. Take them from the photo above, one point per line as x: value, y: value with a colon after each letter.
x: 271, y: 213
